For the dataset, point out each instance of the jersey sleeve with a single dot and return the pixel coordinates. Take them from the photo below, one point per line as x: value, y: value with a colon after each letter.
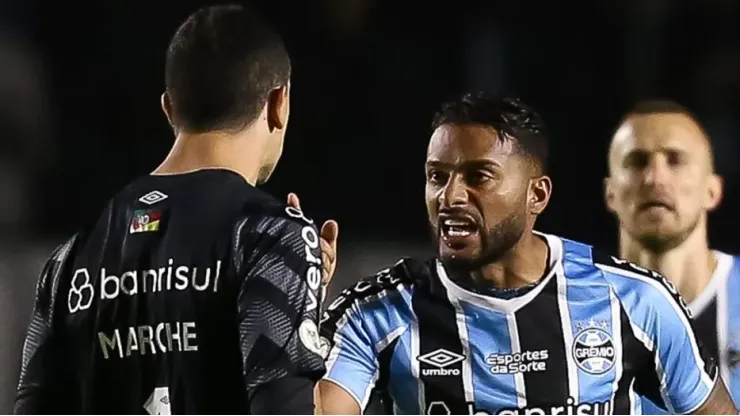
x: 279, y: 300
x: 351, y: 357
x: 680, y: 373
x: 45, y: 380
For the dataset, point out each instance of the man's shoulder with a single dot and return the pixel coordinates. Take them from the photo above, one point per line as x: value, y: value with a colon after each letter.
x: 405, y: 274
x: 728, y: 265
x: 274, y: 218
x: 640, y: 287
x: 374, y: 301
x: 593, y: 263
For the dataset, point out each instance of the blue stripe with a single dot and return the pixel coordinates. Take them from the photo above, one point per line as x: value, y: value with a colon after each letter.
x: 650, y: 408
x: 356, y: 363
x: 590, y: 313
x: 402, y: 386
x: 651, y: 310
x: 733, y: 326
x: 489, y: 335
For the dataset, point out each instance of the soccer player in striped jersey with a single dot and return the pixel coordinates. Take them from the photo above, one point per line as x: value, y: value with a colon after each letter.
x: 661, y: 186
x: 506, y: 320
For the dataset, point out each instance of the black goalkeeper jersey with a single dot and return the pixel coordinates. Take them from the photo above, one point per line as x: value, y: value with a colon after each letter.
x: 186, y: 295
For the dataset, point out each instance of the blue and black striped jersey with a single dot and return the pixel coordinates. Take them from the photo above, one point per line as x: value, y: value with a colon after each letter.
x: 591, y: 337
x: 716, y: 314
x: 185, y: 296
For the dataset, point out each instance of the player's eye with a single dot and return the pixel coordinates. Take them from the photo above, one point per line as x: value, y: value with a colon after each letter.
x: 436, y: 176
x: 636, y: 161
x: 478, y: 177
x: 676, y: 158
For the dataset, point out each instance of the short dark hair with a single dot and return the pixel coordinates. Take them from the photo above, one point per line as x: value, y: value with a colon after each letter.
x: 509, y: 116
x: 221, y: 64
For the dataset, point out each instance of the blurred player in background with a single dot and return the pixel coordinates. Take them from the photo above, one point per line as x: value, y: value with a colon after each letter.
x: 193, y: 292
x: 661, y: 186
x: 506, y: 320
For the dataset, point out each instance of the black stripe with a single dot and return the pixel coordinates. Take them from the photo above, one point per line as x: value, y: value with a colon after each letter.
x: 631, y: 348
x: 439, y: 338
x: 705, y: 325
x: 549, y: 387
x: 380, y: 401
x: 641, y: 367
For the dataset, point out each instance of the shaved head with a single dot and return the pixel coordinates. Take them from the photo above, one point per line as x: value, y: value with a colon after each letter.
x: 661, y: 129
x: 661, y: 175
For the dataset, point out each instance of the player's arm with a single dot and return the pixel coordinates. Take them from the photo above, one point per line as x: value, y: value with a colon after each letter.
x: 351, y: 366
x: 689, y: 383
x: 279, y: 306
x: 719, y: 402
x: 45, y: 380
x: 679, y: 375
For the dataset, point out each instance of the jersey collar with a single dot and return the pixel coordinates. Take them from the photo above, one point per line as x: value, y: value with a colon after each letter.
x: 458, y: 293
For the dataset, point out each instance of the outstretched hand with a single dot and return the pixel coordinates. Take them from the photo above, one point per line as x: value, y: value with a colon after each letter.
x: 328, y: 235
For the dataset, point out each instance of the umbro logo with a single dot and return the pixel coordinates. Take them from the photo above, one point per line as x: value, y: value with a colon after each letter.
x: 440, y: 359
x: 153, y: 197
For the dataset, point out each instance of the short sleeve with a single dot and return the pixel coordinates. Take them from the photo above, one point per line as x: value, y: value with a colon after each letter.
x: 351, y: 359
x: 680, y: 373
x: 684, y: 373
x: 45, y: 379
x: 279, y: 301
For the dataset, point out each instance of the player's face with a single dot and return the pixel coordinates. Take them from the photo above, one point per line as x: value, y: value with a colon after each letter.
x: 278, y: 113
x: 661, y: 182
x: 476, y: 194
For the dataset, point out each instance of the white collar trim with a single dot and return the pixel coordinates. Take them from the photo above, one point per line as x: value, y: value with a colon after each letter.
x: 458, y: 293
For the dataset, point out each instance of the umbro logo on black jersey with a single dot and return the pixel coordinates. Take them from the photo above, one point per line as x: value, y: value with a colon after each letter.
x: 153, y: 197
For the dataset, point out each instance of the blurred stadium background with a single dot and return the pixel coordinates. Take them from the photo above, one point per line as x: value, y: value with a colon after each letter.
x: 80, y: 117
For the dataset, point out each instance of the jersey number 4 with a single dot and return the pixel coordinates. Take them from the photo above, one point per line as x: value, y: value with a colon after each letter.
x: 158, y: 402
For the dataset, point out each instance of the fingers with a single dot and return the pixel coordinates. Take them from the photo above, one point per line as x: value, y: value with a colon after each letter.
x: 330, y: 233
x: 328, y: 242
x: 328, y: 253
x: 293, y: 201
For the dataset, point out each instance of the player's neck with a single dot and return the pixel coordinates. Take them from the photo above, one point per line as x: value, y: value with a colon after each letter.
x: 523, y: 264
x: 689, y: 266
x: 242, y: 153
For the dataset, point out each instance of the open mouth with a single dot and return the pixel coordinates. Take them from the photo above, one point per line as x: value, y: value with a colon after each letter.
x: 458, y: 227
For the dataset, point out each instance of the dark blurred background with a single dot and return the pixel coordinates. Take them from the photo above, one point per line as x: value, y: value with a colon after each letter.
x: 80, y: 117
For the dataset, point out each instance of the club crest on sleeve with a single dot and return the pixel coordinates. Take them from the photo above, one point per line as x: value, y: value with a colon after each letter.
x: 153, y: 197
x: 308, y: 333
x: 145, y: 221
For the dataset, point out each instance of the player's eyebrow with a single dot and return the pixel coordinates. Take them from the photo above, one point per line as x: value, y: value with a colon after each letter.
x: 639, y: 151
x: 471, y: 164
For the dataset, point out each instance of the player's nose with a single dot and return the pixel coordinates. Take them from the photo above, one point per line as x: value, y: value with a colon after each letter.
x: 455, y: 193
x: 657, y: 172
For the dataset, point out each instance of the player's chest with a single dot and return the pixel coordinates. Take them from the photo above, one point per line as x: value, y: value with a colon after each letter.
x: 472, y: 359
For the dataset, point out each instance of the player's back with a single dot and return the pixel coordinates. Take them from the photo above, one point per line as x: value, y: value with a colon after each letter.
x: 144, y: 301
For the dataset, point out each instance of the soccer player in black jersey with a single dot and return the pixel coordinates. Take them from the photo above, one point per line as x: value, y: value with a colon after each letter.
x: 193, y: 292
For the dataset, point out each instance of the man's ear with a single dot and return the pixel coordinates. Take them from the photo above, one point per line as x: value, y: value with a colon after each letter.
x: 539, y: 195
x: 278, y: 108
x: 167, y: 107
x: 715, y: 192
x: 609, y: 195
